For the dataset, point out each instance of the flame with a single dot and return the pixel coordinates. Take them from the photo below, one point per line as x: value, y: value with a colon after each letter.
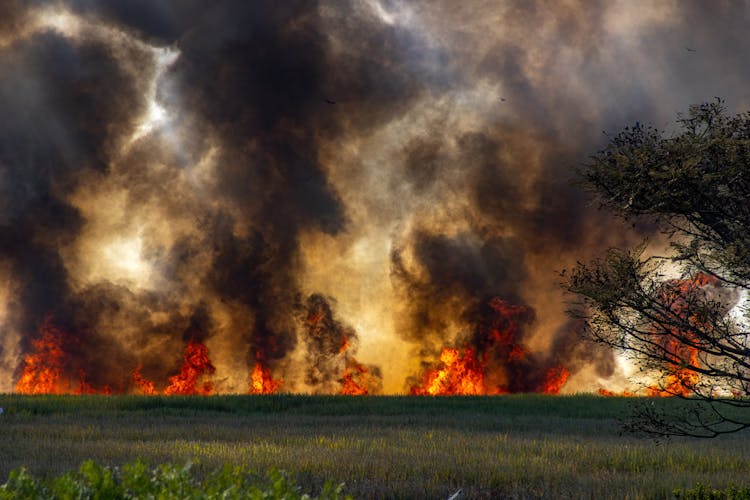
x: 145, y: 385
x: 354, y: 381
x: 495, y: 354
x: 44, y: 372
x: 43, y: 366
x: 261, y: 381
x: 86, y: 388
x: 461, y: 374
x: 344, y: 344
x: 612, y: 394
x: 681, y: 378
x: 555, y: 379
x: 195, y: 365
x: 485, y: 365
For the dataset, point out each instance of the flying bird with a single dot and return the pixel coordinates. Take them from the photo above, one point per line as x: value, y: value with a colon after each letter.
x: 329, y: 101
x: 690, y: 50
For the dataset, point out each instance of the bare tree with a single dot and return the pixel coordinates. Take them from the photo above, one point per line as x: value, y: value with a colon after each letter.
x: 681, y: 315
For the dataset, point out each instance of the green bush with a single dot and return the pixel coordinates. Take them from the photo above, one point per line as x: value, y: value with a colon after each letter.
x: 703, y: 492
x: 164, y: 482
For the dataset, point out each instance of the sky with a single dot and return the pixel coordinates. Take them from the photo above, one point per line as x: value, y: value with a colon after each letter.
x: 278, y: 179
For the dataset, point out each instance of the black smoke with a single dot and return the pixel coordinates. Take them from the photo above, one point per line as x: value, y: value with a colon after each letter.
x: 480, y: 114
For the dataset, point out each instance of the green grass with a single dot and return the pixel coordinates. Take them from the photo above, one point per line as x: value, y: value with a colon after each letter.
x: 403, y: 447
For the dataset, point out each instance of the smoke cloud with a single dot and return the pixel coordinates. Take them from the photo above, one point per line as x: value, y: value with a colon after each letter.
x: 334, y: 190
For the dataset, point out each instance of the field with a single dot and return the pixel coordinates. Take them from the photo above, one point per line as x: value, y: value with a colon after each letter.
x: 394, y: 447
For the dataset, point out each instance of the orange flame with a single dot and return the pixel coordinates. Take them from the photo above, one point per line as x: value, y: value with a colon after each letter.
x: 354, y: 381
x: 612, y: 394
x: 195, y: 365
x: 681, y: 378
x: 555, y: 379
x: 496, y: 356
x: 344, y: 344
x: 261, y: 381
x: 86, y: 388
x: 459, y: 375
x: 43, y: 366
x: 145, y: 385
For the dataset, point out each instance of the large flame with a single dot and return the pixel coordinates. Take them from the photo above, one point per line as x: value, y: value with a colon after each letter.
x: 195, y: 366
x: 681, y: 377
x: 43, y: 366
x: 555, y: 379
x: 355, y: 381
x: 46, y: 368
x: 459, y: 374
x: 490, y: 364
x: 261, y: 381
x: 680, y: 348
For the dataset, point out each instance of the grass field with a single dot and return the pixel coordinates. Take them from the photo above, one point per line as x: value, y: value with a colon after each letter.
x: 393, y: 447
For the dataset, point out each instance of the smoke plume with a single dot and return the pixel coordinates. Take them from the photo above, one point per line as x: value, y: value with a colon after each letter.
x: 328, y: 193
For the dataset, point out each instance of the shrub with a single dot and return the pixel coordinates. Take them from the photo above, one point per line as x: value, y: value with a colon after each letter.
x: 703, y: 492
x: 166, y: 481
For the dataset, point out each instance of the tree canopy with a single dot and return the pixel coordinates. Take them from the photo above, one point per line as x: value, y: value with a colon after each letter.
x: 679, y: 313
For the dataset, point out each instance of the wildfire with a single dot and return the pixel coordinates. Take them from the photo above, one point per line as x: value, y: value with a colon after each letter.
x: 145, y: 385
x: 495, y: 353
x: 354, y: 381
x: 195, y: 365
x: 680, y: 377
x: 555, y: 379
x: 261, y: 381
x: 459, y: 375
x: 612, y: 394
x: 85, y: 388
x: 492, y: 361
x: 43, y: 366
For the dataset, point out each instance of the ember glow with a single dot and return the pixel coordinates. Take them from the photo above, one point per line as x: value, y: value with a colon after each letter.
x: 320, y: 197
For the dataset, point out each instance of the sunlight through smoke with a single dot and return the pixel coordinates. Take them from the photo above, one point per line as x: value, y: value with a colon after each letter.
x: 156, y: 115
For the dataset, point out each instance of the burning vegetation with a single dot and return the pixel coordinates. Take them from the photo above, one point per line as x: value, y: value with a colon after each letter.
x: 679, y: 345
x: 261, y: 381
x: 494, y: 361
x: 244, y: 197
x: 673, y: 339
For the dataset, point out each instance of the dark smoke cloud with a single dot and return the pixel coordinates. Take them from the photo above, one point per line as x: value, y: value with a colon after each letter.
x: 296, y: 137
x: 60, y: 102
x: 331, y: 349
